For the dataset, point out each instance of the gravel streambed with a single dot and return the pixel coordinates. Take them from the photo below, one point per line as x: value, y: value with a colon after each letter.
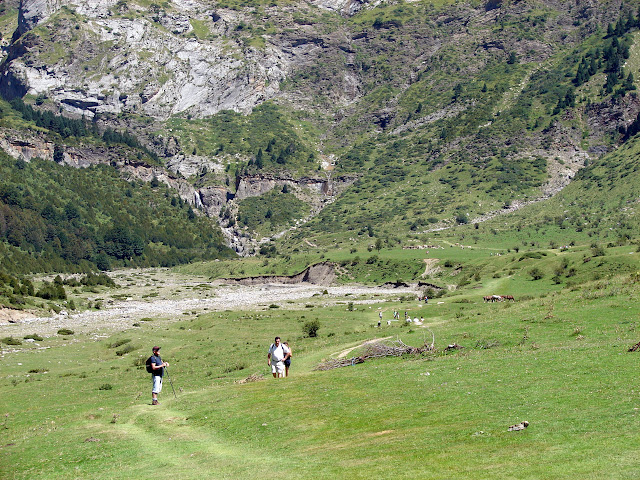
x: 121, y: 312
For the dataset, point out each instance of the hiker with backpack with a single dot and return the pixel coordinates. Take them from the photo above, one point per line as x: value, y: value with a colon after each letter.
x: 287, y: 359
x: 278, y: 353
x: 155, y: 366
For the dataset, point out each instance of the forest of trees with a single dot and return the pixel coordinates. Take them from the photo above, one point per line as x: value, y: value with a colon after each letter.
x: 57, y: 218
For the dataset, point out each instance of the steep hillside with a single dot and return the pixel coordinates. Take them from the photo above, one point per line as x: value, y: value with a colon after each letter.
x: 384, y: 119
x: 58, y: 218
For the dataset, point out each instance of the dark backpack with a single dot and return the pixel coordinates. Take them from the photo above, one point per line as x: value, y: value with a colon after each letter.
x: 148, y: 364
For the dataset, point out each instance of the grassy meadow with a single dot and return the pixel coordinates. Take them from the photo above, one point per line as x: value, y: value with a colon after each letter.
x: 556, y: 357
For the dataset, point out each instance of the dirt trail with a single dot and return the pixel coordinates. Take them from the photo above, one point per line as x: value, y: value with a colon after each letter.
x: 431, y: 266
x: 346, y: 352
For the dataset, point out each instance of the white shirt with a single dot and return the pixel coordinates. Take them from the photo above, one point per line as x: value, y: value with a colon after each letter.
x: 278, y: 353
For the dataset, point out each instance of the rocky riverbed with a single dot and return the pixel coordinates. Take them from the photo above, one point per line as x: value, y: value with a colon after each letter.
x: 164, y: 296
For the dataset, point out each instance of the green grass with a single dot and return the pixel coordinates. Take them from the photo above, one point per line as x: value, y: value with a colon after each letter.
x: 557, y: 360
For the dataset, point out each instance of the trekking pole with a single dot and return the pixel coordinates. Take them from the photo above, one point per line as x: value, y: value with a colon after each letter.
x: 166, y: 369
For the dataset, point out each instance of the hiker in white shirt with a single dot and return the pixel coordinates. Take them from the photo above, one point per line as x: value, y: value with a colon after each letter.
x: 278, y: 353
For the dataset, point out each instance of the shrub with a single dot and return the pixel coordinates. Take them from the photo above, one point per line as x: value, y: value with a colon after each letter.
x: 11, y: 341
x: 65, y: 331
x: 118, y: 343
x: 105, y: 386
x: 33, y: 336
x: 462, y: 219
x: 52, y: 291
x: 91, y: 280
x: 126, y: 349
x: 536, y: 273
x: 140, y: 362
x: 310, y: 329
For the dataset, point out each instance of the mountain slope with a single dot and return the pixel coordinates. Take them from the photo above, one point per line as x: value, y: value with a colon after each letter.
x: 443, y: 113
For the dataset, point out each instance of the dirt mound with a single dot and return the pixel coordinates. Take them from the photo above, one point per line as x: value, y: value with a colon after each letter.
x: 318, y: 274
x: 10, y: 315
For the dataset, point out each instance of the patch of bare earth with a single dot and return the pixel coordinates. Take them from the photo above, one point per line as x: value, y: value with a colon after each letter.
x: 9, y: 315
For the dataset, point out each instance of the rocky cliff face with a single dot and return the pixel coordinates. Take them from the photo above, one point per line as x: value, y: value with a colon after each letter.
x: 34, y: 12
x: 112, y: 58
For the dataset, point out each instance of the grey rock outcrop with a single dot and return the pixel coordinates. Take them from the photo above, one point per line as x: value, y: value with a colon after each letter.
x: 147, y: 63
x: 32, y: 12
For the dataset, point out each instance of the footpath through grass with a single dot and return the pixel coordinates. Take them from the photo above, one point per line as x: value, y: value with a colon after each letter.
x: 558, y: 360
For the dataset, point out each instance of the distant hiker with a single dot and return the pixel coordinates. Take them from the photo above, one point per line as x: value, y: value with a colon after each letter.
x: 426, y: 299
x: 276, y: 356
x: 287, y: 358
x: 157, y: 372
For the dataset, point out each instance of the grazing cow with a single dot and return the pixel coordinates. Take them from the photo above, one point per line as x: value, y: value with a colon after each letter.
x: 496, y: 298
x: 487, y: 298
x: 508, y: 297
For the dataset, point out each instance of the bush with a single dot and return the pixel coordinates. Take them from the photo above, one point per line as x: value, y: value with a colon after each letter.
x: 11, y: 341
x: 33, y: 336
x: 140, y: 362
x: 310, y: 329
x: 462, y: 219
x: 126, y: 349
x: 91, y: 280
x: 65, y: 331
x: 52, y: 291
x: 536, y: 273
x: 119, y: 343
x: 105, y: 386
